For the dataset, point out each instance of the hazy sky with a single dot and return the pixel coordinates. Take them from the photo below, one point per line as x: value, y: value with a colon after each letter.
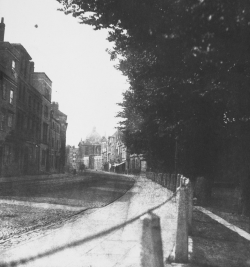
x: 84, y: 80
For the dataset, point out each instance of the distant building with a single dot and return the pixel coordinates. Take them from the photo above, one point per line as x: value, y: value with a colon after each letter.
x: 90, y: 150
x: 73, y: 158
x: 61, y: 118
x: 97, y: 162
x: 104, y: 154
x: 116, y: 158
x: 55, y: 144
x: 43, y: 85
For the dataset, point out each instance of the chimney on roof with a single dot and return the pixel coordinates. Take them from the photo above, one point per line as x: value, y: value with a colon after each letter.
x: 55, y: 106
x: 2, y: 29
x: 32, y: 67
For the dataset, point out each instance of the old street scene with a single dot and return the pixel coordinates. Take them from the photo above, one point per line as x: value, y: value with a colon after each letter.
x: 124, y: 133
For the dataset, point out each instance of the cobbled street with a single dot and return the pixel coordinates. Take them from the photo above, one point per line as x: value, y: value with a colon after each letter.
x: 32, y: 208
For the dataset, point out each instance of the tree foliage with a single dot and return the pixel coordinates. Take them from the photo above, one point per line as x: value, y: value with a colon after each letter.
x: 188, y: 65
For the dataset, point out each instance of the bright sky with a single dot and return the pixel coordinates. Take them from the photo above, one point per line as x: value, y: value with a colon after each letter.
x: 84, y: 80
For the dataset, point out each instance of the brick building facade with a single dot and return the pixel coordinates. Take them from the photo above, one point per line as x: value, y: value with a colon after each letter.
x: 26, y: 124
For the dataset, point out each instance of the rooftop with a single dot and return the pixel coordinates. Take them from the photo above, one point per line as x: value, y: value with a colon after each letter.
x: 22, y: 49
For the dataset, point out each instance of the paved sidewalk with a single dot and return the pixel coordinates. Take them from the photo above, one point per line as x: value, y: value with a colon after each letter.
x: 109, y: 236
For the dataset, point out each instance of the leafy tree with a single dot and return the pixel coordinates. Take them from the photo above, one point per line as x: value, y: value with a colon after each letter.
x: 188, y: 67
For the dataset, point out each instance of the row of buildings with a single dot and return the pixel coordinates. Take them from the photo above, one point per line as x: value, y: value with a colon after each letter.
x: 104, y: 153
x: 32, y: 128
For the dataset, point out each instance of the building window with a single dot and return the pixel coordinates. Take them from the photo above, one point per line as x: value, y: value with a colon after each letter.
x: 47, y: 95
x: 4, y: 92
x: 37, y: 130
x: 17, y: 153
x: 31, y: 153
x: 13, y: 64
x: 46, y: 112
x: 43, y: 157
x: 11, y: 96
x: 7, y: 153
x: 35, y: 152
x: 10, y: 120
x: 2, y: 122
x: 45, y: 132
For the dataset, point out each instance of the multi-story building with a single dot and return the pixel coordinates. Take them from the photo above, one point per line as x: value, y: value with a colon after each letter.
x: 55, y: 144
x: 9, y: 67
x: 28, y: 114
x: 90, y: 151
x: 62, y: 119
x: 25, y: 108
x: 104, y: 154
x: 20, y: 111
x: 43, y: 85
x: 117, y: 158
x: 111, y: 149
x: 73, y: 159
